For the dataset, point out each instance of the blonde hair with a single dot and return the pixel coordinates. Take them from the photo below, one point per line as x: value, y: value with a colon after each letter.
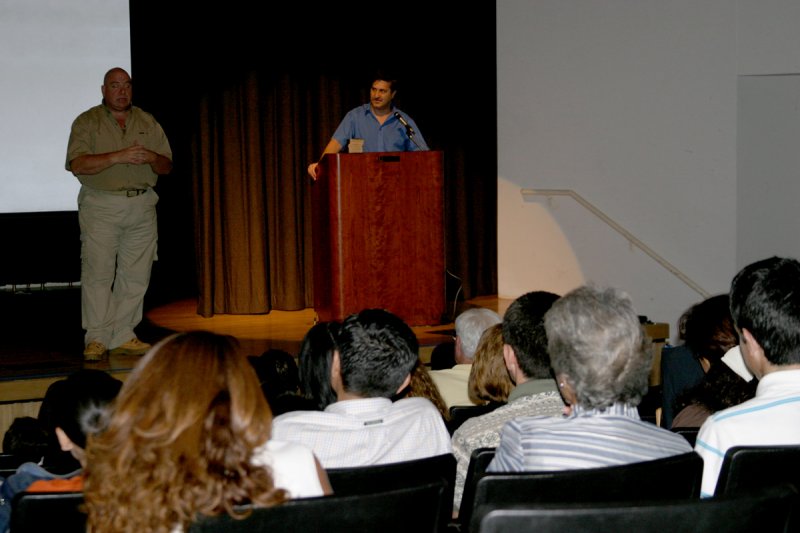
x: 488, y: 379
x: 423, y: 386
x: 180, y: 440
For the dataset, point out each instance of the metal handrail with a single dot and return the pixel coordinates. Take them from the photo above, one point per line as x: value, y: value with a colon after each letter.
x: 622, y: 231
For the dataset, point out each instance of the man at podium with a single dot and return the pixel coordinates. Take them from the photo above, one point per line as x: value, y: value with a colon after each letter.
x: 379, y: 125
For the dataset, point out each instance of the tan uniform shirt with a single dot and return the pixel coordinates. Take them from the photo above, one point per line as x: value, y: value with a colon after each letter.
x: 95, y: 131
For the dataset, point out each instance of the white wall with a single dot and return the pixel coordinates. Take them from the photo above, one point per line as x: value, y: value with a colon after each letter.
x: 633, y: 105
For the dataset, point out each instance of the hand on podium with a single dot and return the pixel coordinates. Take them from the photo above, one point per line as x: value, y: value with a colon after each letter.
x: 313, y: 170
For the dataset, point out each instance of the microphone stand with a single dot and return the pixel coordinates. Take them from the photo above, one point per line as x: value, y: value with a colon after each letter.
x: 409, y: 130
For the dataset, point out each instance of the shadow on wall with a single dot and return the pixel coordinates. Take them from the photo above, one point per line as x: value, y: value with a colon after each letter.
x: 533, y: 253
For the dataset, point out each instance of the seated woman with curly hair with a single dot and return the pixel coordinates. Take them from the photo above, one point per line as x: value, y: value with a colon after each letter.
x: 189, y: 436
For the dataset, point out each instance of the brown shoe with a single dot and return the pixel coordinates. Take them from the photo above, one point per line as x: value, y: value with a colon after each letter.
x: 132, y: 347
x: 94, y: 351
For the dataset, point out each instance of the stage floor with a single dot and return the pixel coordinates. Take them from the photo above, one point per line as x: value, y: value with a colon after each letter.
x: 41, y: 339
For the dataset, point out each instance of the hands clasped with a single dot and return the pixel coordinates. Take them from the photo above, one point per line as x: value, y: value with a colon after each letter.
x: 137, y: 154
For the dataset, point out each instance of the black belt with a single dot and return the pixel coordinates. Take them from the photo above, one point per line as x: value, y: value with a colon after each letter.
x: 130, y: 193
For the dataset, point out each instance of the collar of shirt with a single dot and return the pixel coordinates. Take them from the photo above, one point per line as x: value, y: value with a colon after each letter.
x: 617, y: 409
x: 360, y: 407
x: 368, y: 111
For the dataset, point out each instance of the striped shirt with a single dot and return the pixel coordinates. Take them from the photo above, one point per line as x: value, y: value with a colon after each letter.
x: 585, y: 439
x: 771, y: 418
x: 484, y: 431
x: 367, y: 431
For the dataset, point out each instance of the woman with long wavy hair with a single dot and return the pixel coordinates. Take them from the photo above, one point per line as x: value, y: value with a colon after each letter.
x: 189, y: 436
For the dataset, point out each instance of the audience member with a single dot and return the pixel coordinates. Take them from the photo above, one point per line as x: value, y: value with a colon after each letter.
x: 78, y: 410
x: 680, y: 371
x: 710, y: 334
x: 376, y: 354
x: 527, y: 363
x: 25, y: 439
x: 422, y: 386
x: 452, y: 382
x: 190, y: 435
x: 765, y: 304
x: 278, y: 376
x: 489, y: 382
x: 316, y: 354
x: 601, y: 364
x: 443, y: 356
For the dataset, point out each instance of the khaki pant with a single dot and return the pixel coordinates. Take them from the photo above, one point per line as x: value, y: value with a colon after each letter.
x: 119, y: 240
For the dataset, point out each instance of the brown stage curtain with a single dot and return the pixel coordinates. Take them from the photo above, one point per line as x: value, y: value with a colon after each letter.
x: 252, y: 207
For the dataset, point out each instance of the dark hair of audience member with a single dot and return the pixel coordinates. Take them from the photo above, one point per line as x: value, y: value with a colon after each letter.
x: 377, y: 352
x: 709, y: 331
x: 709, y: 334
x: 25, y: 439
x: 489, y: 381
x: 77, y: 405
x: 180, y: 440
x: 314, y: 364
x: 278, y: 376
x: 765, y: 300
x: 423, y: 386
x: 524, y: 331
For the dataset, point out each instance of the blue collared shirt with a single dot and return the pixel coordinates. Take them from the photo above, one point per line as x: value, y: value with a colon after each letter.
x: 391, y: 136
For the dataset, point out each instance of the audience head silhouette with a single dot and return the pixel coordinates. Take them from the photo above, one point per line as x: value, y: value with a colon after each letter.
x: 77, y: 407
x: 489, y: 381
x: 597, y: 348
x: 765, y: 304
x: 180, y: 439
x: 377, y: 353
x: 470, y: 325
x: 525, y: 337
x: 314, y: 362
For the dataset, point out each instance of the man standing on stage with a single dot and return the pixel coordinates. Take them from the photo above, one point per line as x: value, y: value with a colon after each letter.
x: 381, y: 126
x: 117, y: 151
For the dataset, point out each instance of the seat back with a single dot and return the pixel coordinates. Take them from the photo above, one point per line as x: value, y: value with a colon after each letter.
x: 376, y: 478
x: 461, y: 413
x: 413, y: 508
x: 479, y: 460
x: 765, y: 510
x: 673, y: 477
x: 34, y: 512
x: 747, y: 467
x: 690, y: 434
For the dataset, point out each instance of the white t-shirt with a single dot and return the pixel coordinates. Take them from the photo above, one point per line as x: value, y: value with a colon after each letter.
x: 293, y: 468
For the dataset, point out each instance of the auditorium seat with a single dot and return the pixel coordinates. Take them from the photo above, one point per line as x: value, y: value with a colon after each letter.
x: 766, y: 510
x: 375, y: 478
x: 35, y: 512
x: 416, y: 508
x: 668, y: 478
x: 748, y: 467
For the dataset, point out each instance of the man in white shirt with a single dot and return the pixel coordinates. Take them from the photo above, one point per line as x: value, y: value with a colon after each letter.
x: 452, y: 382
x: 376, y: 353
x: 765, y: 304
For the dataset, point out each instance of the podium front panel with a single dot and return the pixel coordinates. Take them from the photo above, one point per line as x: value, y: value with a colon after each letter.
x: 378, y: 235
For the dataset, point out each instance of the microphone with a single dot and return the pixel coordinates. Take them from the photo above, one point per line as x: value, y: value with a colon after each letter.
x: 405, y: 123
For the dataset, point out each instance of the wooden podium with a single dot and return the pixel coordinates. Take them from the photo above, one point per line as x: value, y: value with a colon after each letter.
x: 378, y: 238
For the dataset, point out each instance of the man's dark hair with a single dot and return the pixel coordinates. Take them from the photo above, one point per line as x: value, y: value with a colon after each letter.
x: 78, y: 403
x: 523, y: 330
x: 386, y: 76
x: 765, y: 300
x: 377, y: 350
